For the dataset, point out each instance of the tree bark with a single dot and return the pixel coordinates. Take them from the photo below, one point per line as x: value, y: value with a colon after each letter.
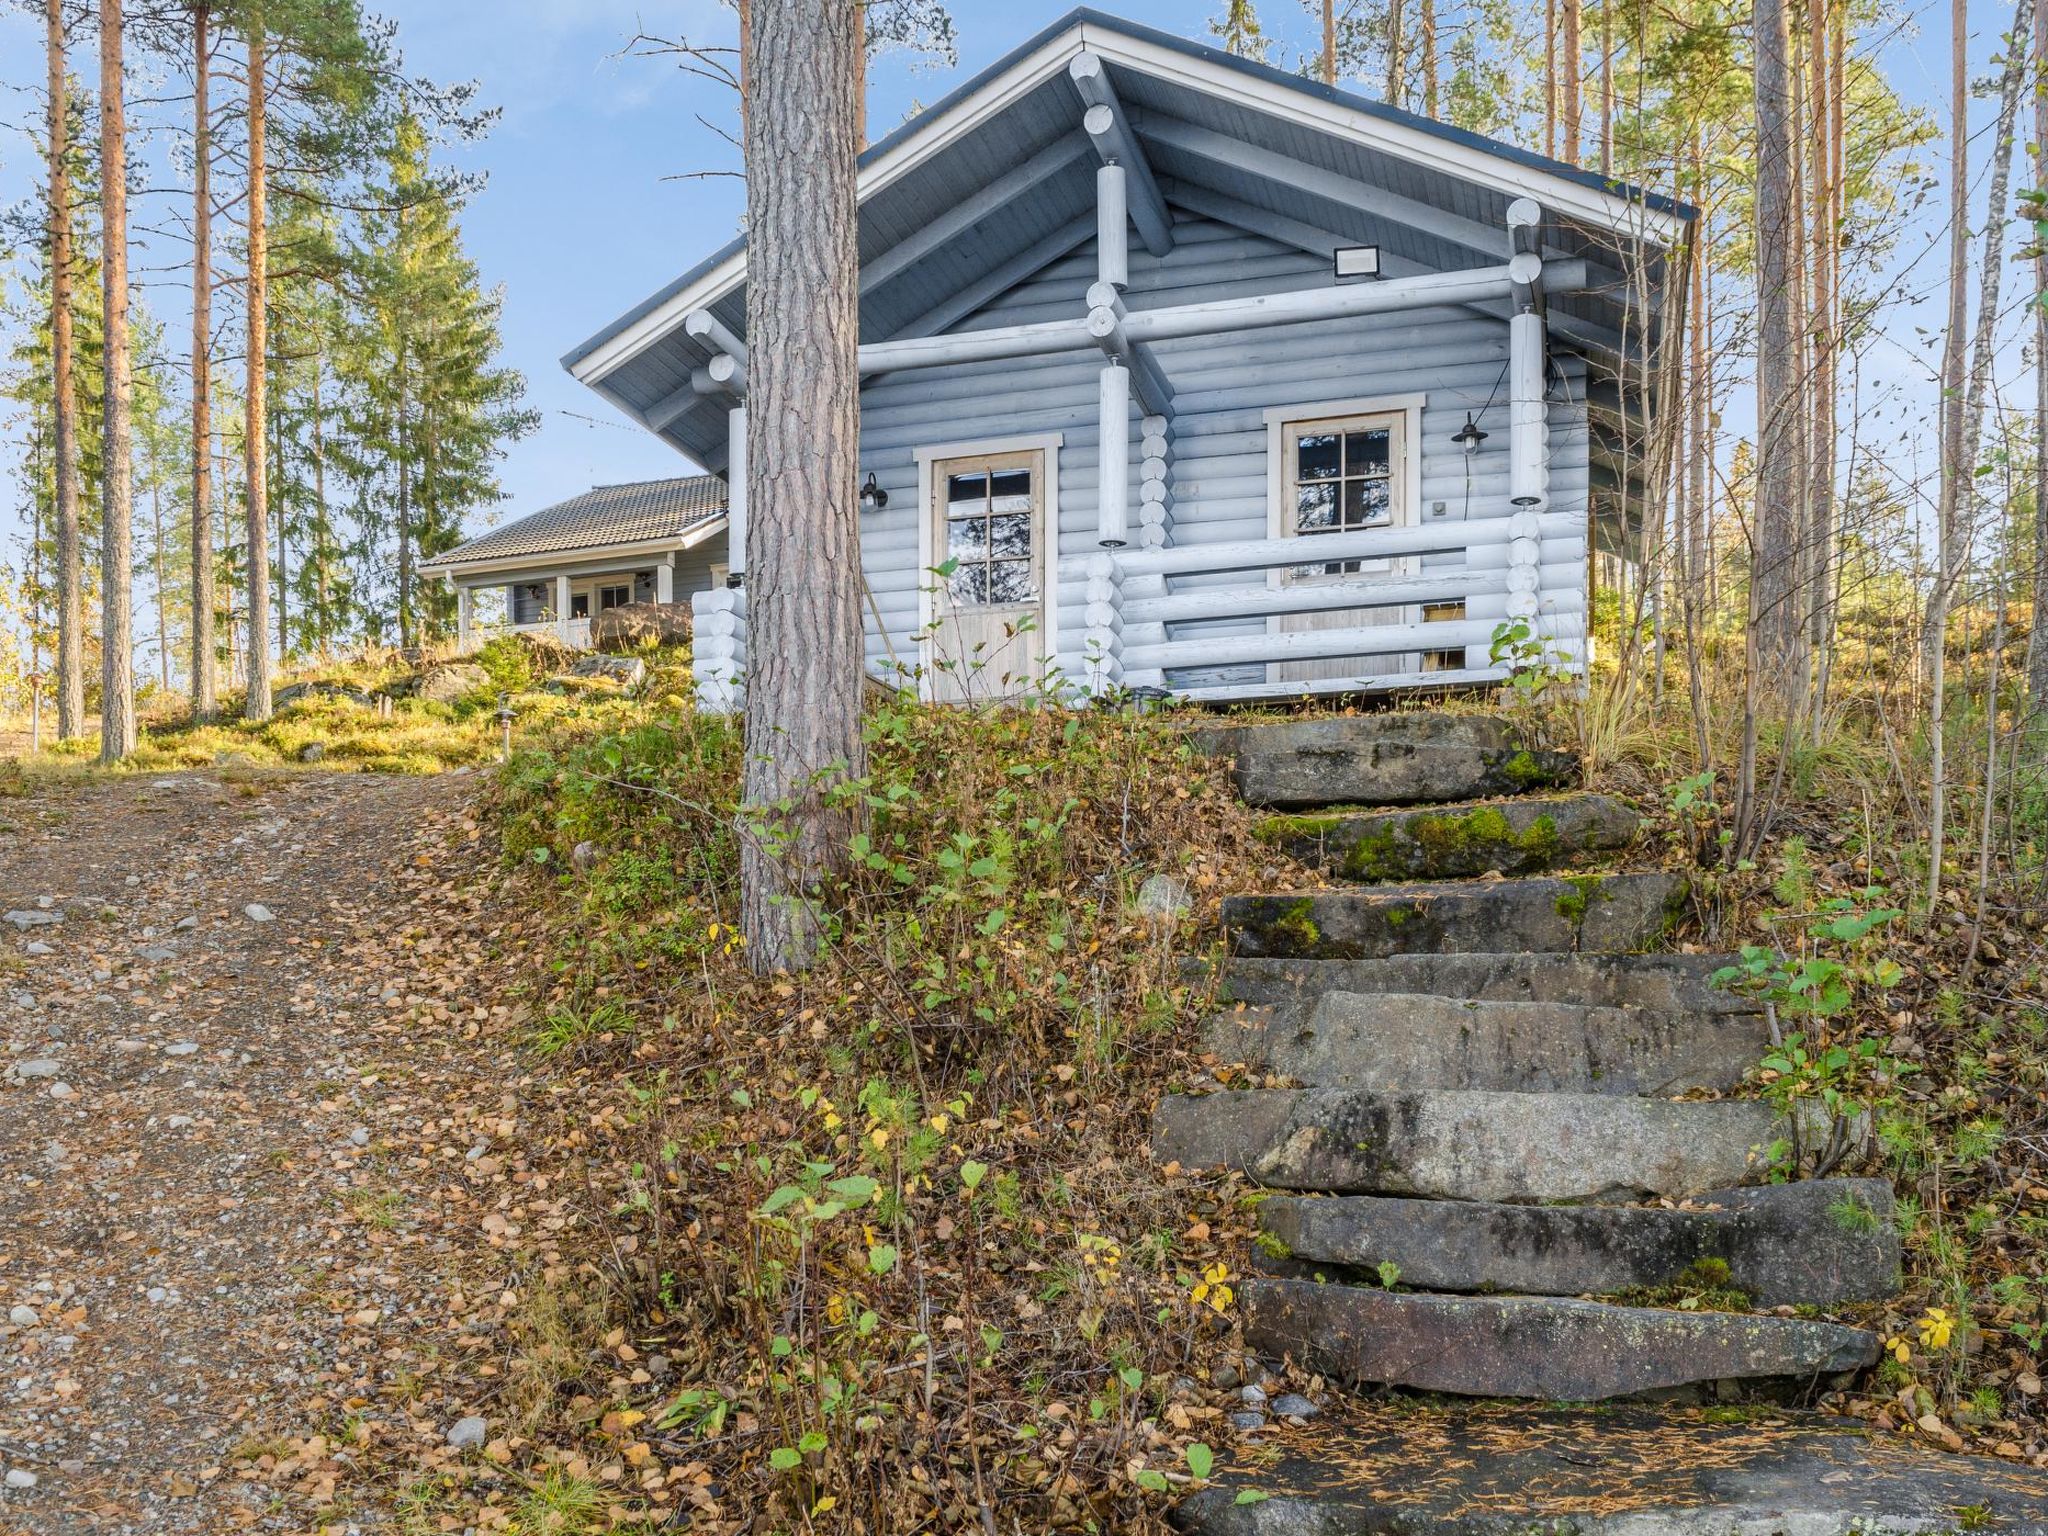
x: 2037, y: 643
x: 1329, y: 60
x: 805, y: 644
x: 64, y: 399
x: 1397, y: 58
x: 255, y: 432
x: 156, y: 552
x: 1825, y: 173
x: 117, y: 559
x: 1774, y: 613
x: 1432, y: 90
x: 205, y: 699
x: 1954, y: 469
x: 1570, y: 47
x: 1607, y: 88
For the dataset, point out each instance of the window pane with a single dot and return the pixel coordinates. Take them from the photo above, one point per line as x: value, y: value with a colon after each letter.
x: 1365, y: 453
x: 966, y: 490
x: 1315, y: 508
x: 1366, y: 503
x: 1316, y: 456
x: 1010, y: 535
x: 1011, y: 490
x: 1009, y: 581
x: 969, y: 586
x: 967, y: 539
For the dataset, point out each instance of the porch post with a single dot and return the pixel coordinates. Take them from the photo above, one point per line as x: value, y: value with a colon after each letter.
x: 1113, y: 460
x: 665, y: 580
x: 562, y: 609
x: 465, y: 616
x: 736, y: 496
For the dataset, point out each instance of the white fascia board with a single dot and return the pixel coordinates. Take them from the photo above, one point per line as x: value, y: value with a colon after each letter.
x: 1617, y: 215
x: 1023, y: 78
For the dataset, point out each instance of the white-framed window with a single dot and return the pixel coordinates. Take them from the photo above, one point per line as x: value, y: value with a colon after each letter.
x: 1339, y: 466
x: 1343, y: 477
x: 614, y: 596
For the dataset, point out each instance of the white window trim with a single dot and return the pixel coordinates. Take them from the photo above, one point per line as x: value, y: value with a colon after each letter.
x: 1281, y: 417
x: 1048, y: 443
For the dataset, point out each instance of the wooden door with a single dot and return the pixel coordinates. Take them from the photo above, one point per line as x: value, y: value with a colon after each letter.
x: 989, y: 538
x: 1341, y: 475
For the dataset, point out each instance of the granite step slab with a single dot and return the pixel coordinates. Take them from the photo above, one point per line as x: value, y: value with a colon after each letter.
x: 1395, y: 1040
x: 1469, y: 1145
x: 1594, y: 913
x: 1674, y: 983
x: 1512, y: 837
x: 1542, y: 1347
x: 1393, y: 758
x: 1622, y: 1469
x: 1820, y: 1242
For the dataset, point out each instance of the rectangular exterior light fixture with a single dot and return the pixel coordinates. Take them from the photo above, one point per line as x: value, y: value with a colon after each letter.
x: 1358, y: 261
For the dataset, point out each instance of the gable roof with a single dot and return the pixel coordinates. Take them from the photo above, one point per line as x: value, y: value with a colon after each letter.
x: 1224, y: 136
x: 640, y: 513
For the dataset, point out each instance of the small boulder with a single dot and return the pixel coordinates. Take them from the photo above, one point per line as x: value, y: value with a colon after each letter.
x: 256, y: 912
x: 640, y: 624
x: 457, y: 680
x: 625, y: 671
x: 466, y: 1434
x: 1164, y: 898
x: 583, y: 857
x: 313, y: 752
x: 23, y: 1317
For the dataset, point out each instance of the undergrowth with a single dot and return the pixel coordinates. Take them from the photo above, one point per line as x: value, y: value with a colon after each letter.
x: 890, y: 1224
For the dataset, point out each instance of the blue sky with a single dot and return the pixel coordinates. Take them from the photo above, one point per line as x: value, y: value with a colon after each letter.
x: 583, y: 213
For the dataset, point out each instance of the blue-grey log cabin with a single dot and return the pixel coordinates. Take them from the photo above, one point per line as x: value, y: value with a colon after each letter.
x: 1140, y: 320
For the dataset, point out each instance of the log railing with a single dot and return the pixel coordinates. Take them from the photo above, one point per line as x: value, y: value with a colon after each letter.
x: 1528, y: 565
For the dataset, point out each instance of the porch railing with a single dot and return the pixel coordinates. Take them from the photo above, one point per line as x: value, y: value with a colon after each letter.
x: 1529, y: 565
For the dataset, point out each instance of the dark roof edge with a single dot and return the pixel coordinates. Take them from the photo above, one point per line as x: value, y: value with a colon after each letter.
x: 1088, y: 16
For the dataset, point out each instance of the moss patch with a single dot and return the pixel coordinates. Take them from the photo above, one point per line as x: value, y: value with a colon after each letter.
x: 1580, y: 892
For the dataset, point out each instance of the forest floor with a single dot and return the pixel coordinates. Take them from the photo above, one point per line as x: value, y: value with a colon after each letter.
x: 244, y: 1191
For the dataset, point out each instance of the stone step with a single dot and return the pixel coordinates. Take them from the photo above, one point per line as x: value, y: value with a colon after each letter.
x: 1512, y: 837
x: 1668, y: 982
x: 1467, y: 1145
x: 1394, y: 1040
x: 1396, y: 758
x: 1599, y: 913
x: 1623, y: 1469
x: 1821, y: 1242
x: 1541, y: 1347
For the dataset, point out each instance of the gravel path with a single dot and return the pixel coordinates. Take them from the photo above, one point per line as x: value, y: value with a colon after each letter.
x: 199, y: 983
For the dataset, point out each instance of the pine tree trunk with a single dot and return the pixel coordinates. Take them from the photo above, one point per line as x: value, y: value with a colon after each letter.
x: 163, y: 622
x: 1607, y: 88
x: 1550, y: 78
x: 1432, y: 90
x: 1329, y: 45
x: 1397, y: 60
x: 1774, y: 614
x: 1954, y: 469
x: 2037, y: 645
x: 64, y: 400
x: 205, y: 699
x: 1826, y: 238
x: 805, y: 643
x: 1570, y: 47
x: 284, y: 558
x: 323, y: 596
x: 117, y: 556
x: 405, y: 625
x: 256, y: 421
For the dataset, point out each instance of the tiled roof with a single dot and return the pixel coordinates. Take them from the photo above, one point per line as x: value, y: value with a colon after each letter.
x: 610, y: 514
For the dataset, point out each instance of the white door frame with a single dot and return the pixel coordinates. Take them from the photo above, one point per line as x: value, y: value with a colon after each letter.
x: 1279, y: 525
x: 1047, y: 443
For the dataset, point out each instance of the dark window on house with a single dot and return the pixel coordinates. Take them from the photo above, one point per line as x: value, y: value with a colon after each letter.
x: 613, y: 597
x: 579, y: 605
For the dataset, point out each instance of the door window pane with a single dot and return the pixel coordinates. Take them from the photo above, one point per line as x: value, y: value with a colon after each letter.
x: 991, y: 537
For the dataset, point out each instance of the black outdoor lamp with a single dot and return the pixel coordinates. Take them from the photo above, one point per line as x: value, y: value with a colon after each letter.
x: 872, y: 497
x: 1469, y: 436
